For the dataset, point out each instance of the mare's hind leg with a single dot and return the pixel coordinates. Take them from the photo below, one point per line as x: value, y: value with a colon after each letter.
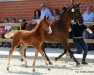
x: 65, y: 51
x: 21, y: 50
x: 66, y: 48
x: 43, y: 48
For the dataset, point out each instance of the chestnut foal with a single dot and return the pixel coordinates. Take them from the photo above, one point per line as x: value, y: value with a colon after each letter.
x: 34, y: 37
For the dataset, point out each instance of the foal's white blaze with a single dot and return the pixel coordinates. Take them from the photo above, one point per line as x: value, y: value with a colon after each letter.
x: 50, y: 30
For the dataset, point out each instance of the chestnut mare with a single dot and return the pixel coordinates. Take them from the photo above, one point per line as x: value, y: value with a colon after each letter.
x: 34, y: 37
x: 60, y: 30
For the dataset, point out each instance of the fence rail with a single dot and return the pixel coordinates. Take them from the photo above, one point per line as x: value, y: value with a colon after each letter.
x: 10, y: 24
x: 19, y: 24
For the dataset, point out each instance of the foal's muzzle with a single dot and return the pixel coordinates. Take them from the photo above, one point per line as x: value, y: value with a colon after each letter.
x: 50, y: 30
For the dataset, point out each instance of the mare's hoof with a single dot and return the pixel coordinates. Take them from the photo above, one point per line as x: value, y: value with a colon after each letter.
x: 77, y: 64
x: 56, y: 59
x: 49, y: 69
x: 33, y: 70
x: 50, y: 63
x: 70, y: 56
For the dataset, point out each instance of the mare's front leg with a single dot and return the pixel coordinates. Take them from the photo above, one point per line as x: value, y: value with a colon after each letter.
x: 43, y: 48
x: 66, y: 48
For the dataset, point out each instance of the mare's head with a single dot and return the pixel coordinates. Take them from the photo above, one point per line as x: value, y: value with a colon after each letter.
x: 76, y: 14
x: 74, y: 11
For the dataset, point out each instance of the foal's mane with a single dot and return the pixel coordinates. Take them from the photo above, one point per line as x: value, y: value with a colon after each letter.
x: 37, y: 26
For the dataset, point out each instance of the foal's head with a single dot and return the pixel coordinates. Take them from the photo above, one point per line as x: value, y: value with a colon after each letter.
x: 45, y: 24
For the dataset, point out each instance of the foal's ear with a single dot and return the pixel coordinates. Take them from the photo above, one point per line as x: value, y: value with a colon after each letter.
x: 47, y: 17
x: 44, y: 17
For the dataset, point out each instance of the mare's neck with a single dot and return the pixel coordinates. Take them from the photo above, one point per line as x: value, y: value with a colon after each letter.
x: 66, y: 18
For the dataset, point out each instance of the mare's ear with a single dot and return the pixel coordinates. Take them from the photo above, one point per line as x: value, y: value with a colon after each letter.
x: 64, y: 8
x: 78, y: 5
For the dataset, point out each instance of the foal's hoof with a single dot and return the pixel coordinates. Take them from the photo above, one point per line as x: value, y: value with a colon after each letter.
x: 26, y: 66
x: 49, y: 69
x: 56, y: 59
x: 22, y: 60
x: 77, y: 64
x: 33, y: 70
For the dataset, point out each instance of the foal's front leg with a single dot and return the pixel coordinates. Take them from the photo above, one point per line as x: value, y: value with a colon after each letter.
x: 44, y: 57
x: 43, y: 48
x: 36, y: 56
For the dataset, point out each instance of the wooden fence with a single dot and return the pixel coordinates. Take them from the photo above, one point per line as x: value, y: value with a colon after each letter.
x: 19, y: 24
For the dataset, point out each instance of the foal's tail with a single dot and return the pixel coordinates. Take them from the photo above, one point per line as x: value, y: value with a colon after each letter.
x: 10, y: 34
x: 16, y: 39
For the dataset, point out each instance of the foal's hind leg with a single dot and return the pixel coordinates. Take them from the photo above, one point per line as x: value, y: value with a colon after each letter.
x: 21, y: 50
x: 10, y: 55
x: 23, y: 53
x: 43, y: 48
x: 14, y: 45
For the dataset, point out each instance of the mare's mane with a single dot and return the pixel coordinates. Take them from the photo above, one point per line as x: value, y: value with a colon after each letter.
x: 67, y: 9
